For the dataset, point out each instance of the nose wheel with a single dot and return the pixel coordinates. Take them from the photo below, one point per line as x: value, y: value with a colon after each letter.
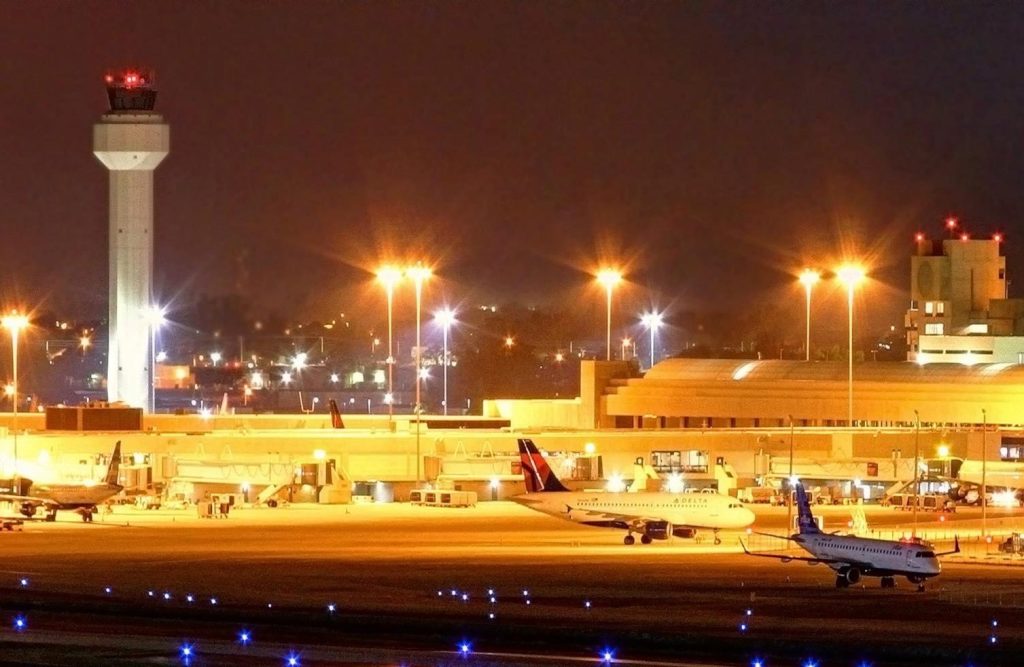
x: 629, y: 540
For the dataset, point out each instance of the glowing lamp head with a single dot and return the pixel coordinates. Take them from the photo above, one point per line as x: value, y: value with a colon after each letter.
x: 951, y: 222
x: 965, y: 236
x: 943, y: 451
x: 509, y: 341
x: 609, y: 278
x: 809, y: 278
x: 14, y: 322
x: 919, y: 237
x: 651, y: 320
x: 154, y: 315
x: 850, y: 275
x: 389, y: 276
x: 445, y: 317
x: 997, y: 237
x: 418, y: 273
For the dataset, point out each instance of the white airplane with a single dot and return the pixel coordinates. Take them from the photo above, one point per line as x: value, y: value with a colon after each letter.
x: 79, y: 498
x: 851, y: 557
x: 652, y: 516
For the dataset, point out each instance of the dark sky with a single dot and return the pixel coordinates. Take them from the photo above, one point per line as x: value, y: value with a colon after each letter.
x: 716, y: 146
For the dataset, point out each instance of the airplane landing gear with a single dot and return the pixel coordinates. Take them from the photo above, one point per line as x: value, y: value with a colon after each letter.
x: 841, y: 582
x: 628, y: 540
x: 919, y: 581
x: 888, y: 582
x: 718, y: 540
x: 645, y: 539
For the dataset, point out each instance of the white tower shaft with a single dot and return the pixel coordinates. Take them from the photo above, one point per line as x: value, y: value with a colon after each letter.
x: 130, y: 145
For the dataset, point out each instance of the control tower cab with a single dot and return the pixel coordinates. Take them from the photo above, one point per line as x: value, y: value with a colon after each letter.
x: 131, y: 140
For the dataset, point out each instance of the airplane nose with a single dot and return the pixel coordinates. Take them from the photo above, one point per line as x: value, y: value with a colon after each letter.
x: 748, y: 517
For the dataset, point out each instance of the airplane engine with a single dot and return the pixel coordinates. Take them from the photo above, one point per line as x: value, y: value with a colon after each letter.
x: 688, y: 533
x: 658, y: 530
x: 852, y: 576
x: 28, y: 509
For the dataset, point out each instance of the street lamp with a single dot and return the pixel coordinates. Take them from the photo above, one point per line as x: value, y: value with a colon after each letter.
x: 389, y: 277
x: 419, y: 275
x: 14, y: 323
x: 154, y: 316
x: 809, y: 278
x: 652, y: 321
x: 445, y: 318
x: 609, y: 278
x: 850, y: 276
x: 984, y: 462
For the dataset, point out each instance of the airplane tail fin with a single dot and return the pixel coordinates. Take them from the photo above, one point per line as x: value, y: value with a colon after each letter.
x: 114, y: 467
x: 336, y: 420
x: 536, y: 471
x: 805, y: 520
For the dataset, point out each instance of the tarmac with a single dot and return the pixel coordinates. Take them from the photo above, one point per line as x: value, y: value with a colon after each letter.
x: 411, y: 584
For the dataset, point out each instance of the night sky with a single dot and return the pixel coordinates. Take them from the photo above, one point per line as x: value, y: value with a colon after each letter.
x: 718, y: 147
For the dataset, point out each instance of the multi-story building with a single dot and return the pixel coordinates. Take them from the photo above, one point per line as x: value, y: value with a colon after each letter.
x: 959, y: 310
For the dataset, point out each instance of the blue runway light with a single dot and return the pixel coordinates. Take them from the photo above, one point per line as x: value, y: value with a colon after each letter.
x: 750, y: 612
x: 108, y: 590
x: 743, y: 627
x: 992, y: 639
x: 292, y: 660
x: 607, y: 655
x: 995, y: 623
x: 493, y: 600
x: 525, y: 593
x: 586, y: 604
x: 440, y: 593
x: 244, y: 637
x: 331, y: 608
x: 151, y: 593
x: 190, y: 598
x: 811, y: 663
x: 465, y: 597
x: 213, y: 601
x: 756, y: 662
x: 491, y: 615
x: 167, y: 596
x: 490, y: 591
x: 20, y: 623
x: 187, y: 652
x: 465, y: 648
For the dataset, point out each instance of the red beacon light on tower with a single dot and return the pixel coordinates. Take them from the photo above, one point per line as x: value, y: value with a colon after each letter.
x: 965, y: 236
x: 919, y: 237
x: 997, y: 237
x: 130, y: 90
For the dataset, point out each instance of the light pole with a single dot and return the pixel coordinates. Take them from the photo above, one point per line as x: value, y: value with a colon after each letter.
x: 917, y: 453
x: 14, y: 323
x: 809, y: 278
x: 984, y: 461
x: 652, y: 321
x: 789, y: 481
x: 155, y: 318
x: 609, y: 278
x: 418, y: 274
x: 850, y: 276
x: 389, y: 277
x: 445, y: 318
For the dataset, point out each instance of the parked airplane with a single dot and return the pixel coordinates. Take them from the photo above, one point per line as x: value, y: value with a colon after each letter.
x: 851, y: 557
x: 653, y: 516
x: 80, y: 498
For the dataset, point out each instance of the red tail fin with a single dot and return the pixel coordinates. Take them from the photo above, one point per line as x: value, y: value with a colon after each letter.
x: 536, y: 471
x: 336, y: 421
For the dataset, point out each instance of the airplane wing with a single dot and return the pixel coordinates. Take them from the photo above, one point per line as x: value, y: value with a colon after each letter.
x: 14, y: 498
x: 956, y: 547
x: 806, y: 559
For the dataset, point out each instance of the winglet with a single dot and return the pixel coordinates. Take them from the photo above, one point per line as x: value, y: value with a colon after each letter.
x: 336, y: 420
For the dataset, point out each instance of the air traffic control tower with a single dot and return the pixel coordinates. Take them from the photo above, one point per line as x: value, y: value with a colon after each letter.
x: 130, y: 140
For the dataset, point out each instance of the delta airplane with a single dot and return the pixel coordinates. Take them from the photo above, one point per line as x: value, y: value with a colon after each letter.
x: 652, y: 516
x: 851, y: 557
x: 80, y: 498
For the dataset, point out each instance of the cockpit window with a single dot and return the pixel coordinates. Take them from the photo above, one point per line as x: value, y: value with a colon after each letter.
x: 925, y: 554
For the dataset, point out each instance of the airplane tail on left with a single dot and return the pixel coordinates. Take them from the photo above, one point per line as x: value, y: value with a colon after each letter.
x: 536, y: 471
x: 336, y: 421
x: 114, y: 467
x: 805, y: 520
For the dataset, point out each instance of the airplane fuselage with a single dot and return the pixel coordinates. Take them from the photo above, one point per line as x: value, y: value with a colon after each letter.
x: 694, y: 510
x: 73, y: 496
x: 880, y: 558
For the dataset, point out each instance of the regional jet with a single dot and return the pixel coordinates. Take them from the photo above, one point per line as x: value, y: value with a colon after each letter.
x: 80, y: 498
x: 652, y: 516
x: 852, y: 557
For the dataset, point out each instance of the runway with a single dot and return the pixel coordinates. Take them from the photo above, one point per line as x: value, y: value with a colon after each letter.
x: 416, y: 580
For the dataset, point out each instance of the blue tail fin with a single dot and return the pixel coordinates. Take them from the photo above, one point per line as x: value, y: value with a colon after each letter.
x: 536, y: 471
x: 805, y: 520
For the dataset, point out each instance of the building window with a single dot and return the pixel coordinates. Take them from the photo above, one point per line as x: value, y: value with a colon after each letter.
x: 913, y: 304
x: 976, y: 329
x: 1002, y: 274
x: 929, y: 308
x: 940, y: 307
x: 934, y: 329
